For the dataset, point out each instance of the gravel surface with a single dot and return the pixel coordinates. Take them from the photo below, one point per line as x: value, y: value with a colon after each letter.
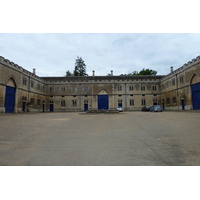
x: 118, y: 139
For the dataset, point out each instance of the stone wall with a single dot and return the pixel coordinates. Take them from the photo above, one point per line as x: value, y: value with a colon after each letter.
x: 72, y: 93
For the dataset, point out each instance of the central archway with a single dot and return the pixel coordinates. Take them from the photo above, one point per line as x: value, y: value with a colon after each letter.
x: 103, y: 100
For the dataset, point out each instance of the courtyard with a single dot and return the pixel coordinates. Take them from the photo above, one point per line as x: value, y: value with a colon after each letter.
x: 117, y: 139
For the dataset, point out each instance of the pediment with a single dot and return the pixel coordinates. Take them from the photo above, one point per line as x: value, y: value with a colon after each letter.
x: 102, y: 92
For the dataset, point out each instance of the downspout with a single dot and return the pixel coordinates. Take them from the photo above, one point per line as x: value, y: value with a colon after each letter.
x: 177, y: 92
x: 125, y: 98
x: 28, y: 101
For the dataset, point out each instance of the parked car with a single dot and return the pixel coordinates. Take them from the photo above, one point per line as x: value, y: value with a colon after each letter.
x: 156, y: 108
x: 146, y: 108
x: 120, y: 109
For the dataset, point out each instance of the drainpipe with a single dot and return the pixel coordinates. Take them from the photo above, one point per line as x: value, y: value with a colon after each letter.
x: 125, y: 98
x: 177, y: 92
x: 28, y: 100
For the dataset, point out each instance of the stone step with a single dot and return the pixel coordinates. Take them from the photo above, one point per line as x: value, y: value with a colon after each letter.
x: 102, y: 111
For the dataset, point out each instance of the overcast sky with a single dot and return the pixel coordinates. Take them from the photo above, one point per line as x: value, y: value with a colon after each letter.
x: 54, y: 54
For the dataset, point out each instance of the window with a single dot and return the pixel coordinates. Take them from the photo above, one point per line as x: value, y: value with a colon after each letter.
x: 167, y: 84
x: 62, y: 89
x: 62, y: 103
x: 131, y: 88
x: 119, y: 100
x: 32, y: 84
x: 24, y: 81
x: 74, y: 89
x: 173, y: 82
x: 174, y: 100
x: 85, y: 88
x: 168, y: 101
x: 131, y: 102
x: 51, y: 89
x: 38, y: 86
x: 74, y: 103
x: 154, y: 87
x: 142, y: 87
x: 181, y: 79
x: 32, y: 101
x: 119, y: 88
x: 38, y: 102
x: 155, y: 101
x: 143, y: 102
x: 120, y: 103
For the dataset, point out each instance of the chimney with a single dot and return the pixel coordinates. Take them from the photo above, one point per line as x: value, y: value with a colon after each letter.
x: 93, y: 73
x: 171, y: 69
x: 33, y: 70
x: 111, y: 72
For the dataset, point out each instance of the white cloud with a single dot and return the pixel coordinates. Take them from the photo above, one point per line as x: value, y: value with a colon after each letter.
x: 54, y: 54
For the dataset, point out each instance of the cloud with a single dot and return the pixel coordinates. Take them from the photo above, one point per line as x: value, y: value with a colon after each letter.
x: 54, y: 54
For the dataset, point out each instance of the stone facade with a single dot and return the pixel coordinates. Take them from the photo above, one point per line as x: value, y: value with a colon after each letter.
x: 174, y: 91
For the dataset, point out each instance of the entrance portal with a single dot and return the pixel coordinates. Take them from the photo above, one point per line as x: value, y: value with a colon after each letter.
x: 51, y: 107
x: 10, y: 96
x: 183, y: 104
x: 85, y: 107
x: 23, y: 106
x: 102, y: 102
x: 10, y: 99
x: 196, y: 96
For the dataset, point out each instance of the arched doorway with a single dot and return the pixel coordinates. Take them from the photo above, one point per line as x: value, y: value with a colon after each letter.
x: 102, y: 100
x: 10, y: 96
x: 195, y: 87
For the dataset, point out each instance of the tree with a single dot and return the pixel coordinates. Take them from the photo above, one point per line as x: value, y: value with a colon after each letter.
x: 147, y: 72
x: 68, y: 73
x: 80, y: 67
x: 142, y: 72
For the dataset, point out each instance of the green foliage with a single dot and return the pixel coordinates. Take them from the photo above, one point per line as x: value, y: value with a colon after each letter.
x: 68, y: 73
x: 130, y: 74
x: 142, y: 72
x: 147, y: 72
x: 80, y: 67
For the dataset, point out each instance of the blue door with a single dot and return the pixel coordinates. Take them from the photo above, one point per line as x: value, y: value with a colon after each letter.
x: 10, y: 99
x: 183, y: 104
x: 85, y: 107
x: 196, y: 96
x: 51, y: 108
x: 120, y: 105
x: 103, y: 102
x: 23, y: 106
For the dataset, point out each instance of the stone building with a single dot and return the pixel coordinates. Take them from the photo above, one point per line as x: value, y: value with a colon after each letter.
x: 23, y: 91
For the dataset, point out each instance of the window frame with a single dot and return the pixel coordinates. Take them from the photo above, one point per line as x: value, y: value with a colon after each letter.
x: 119, y: 87
x: 143, y: 102
x: 63, y: 103
x: 132, y: 103
x: 143, y: 87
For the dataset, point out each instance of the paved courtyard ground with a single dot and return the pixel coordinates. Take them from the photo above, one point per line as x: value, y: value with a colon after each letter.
x: 79, y: 139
